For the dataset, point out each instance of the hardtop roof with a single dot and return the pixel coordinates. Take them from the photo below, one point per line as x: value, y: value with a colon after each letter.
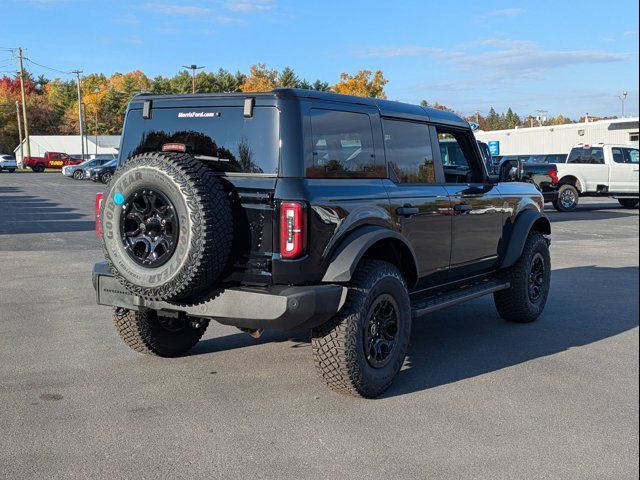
x: 386, y: 107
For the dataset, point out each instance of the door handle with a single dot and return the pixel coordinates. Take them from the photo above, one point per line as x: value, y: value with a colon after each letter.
x: 462, y: 207
x: 407, y: 210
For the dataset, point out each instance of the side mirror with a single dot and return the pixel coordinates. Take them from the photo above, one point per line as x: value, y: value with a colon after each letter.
x: 493, y: 179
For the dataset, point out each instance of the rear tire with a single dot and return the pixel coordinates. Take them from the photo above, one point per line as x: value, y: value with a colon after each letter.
x: 353, y: 352
x: 39, y: 168
x: 530, y: 278
x: 628, y: 202
x: 567, y: 199
x: 147, y: 333
x: 11, y: 170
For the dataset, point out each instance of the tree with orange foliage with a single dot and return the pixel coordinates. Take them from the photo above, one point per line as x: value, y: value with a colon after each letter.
x: 361, y: 84
x: 260, y: 79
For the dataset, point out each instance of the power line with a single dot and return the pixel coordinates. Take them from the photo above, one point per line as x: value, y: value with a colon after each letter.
x: 48, y: 68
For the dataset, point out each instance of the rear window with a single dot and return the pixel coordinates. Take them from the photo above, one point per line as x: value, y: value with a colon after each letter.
x: 589, y: 155
x: 220, y: 136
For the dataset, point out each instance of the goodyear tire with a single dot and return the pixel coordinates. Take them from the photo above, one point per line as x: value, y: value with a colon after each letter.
x: 530, y: 279
x: 147, y: 333
x: 166, y: 226
x: 360, y: 351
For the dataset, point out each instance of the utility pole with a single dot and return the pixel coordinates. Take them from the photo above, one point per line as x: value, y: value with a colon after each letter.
x: 80, y: 122
x: 622, y: 99
x: 193, y: 69
x: 20, y: 130
x: 24, y: 105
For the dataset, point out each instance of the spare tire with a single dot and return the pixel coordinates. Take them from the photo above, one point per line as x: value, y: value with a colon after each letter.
x: 167, y: 226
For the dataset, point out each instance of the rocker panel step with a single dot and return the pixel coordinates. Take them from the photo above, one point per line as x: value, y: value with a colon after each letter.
x: 455, y: 297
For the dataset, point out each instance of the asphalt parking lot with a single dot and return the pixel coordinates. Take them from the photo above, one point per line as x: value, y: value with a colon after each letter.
x: 477, y: 398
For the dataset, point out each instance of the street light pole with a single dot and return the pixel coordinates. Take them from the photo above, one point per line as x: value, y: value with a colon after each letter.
x: 622, y: 99
x: 193, y: 69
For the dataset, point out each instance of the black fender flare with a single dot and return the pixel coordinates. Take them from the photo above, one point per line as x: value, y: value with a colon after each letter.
x: 524, y: 223
x: 350, y: 251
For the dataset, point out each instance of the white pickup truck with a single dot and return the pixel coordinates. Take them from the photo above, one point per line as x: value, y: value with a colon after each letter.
x: 598, y: 170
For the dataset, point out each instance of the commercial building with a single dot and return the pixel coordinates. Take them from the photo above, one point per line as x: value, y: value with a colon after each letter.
x: 560, y: 138
x: 69, y: 144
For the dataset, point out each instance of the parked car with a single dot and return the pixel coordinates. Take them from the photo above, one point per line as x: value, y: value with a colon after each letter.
x: 302, y: 209
x: 77, y: 171
x: 102, y: 173
x: 543, y: 175
x: 8, y: 163
x: 50, y: 160
x: 598, y: 171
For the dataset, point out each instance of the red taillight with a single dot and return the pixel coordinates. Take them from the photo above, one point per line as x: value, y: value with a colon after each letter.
x: 293, y: 226
x: 554, y: 176
x: 99, y: 197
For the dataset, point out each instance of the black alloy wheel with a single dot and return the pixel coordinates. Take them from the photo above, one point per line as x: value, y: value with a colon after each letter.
x: 536, y: 278
x: 381, y: 331
x: 149, y: 228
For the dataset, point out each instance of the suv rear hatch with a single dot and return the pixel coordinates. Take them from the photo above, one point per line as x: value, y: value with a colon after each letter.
x: 241, y: 146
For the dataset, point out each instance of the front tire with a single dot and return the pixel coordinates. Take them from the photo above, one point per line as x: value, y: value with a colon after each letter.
x: 530, y: 278
x: 628, y: 202
x: 106, y: 178
x: 362, y: 348
x: 147, y: 333
x: 567, y: 198
x: 78, y: 175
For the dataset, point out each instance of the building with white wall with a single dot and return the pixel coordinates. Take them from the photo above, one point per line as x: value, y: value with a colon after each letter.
x: 560, y: 138
x: 69, y: 144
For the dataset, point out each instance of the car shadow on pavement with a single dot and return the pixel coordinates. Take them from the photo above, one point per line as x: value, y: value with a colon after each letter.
x: 586, y: 305
x: 20, y: 214
x: 301, y: 338
x: 595, y: 212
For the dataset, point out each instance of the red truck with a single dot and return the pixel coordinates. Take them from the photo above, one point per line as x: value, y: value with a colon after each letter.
x: 50, y: 160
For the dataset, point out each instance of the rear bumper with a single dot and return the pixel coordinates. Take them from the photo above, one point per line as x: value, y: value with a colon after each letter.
x: 278, y: 307
x: 550, y: 196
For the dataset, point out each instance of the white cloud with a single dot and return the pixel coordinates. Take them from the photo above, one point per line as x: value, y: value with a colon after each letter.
x: 126, y: 19
x: 502, y: 12
x: 401, y: 51
x: 249, y: 6
x: 169, y: 9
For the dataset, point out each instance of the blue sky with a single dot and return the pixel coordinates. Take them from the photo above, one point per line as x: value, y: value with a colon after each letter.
x: 567, y: 57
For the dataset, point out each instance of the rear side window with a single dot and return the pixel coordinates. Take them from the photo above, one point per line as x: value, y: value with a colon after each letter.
x: 408, y: 150
x: 220, y: 136
x: 342, y: 145
x: 589, y: 155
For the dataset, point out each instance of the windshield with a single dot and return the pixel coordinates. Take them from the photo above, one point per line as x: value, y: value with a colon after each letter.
x: 221, y: 136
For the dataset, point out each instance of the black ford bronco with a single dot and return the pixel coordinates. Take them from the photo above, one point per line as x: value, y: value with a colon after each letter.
x: 298, y: 209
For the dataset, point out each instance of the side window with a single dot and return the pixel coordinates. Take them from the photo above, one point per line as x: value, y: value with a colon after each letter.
x: 408, y: 151
x: 342, y: 145
x: 630, y: 155
x: 617, y: 155
x: 457, y: 155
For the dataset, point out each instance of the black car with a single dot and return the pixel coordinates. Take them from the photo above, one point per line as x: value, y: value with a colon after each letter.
x: 299, y: 209
x: 103, y: 173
